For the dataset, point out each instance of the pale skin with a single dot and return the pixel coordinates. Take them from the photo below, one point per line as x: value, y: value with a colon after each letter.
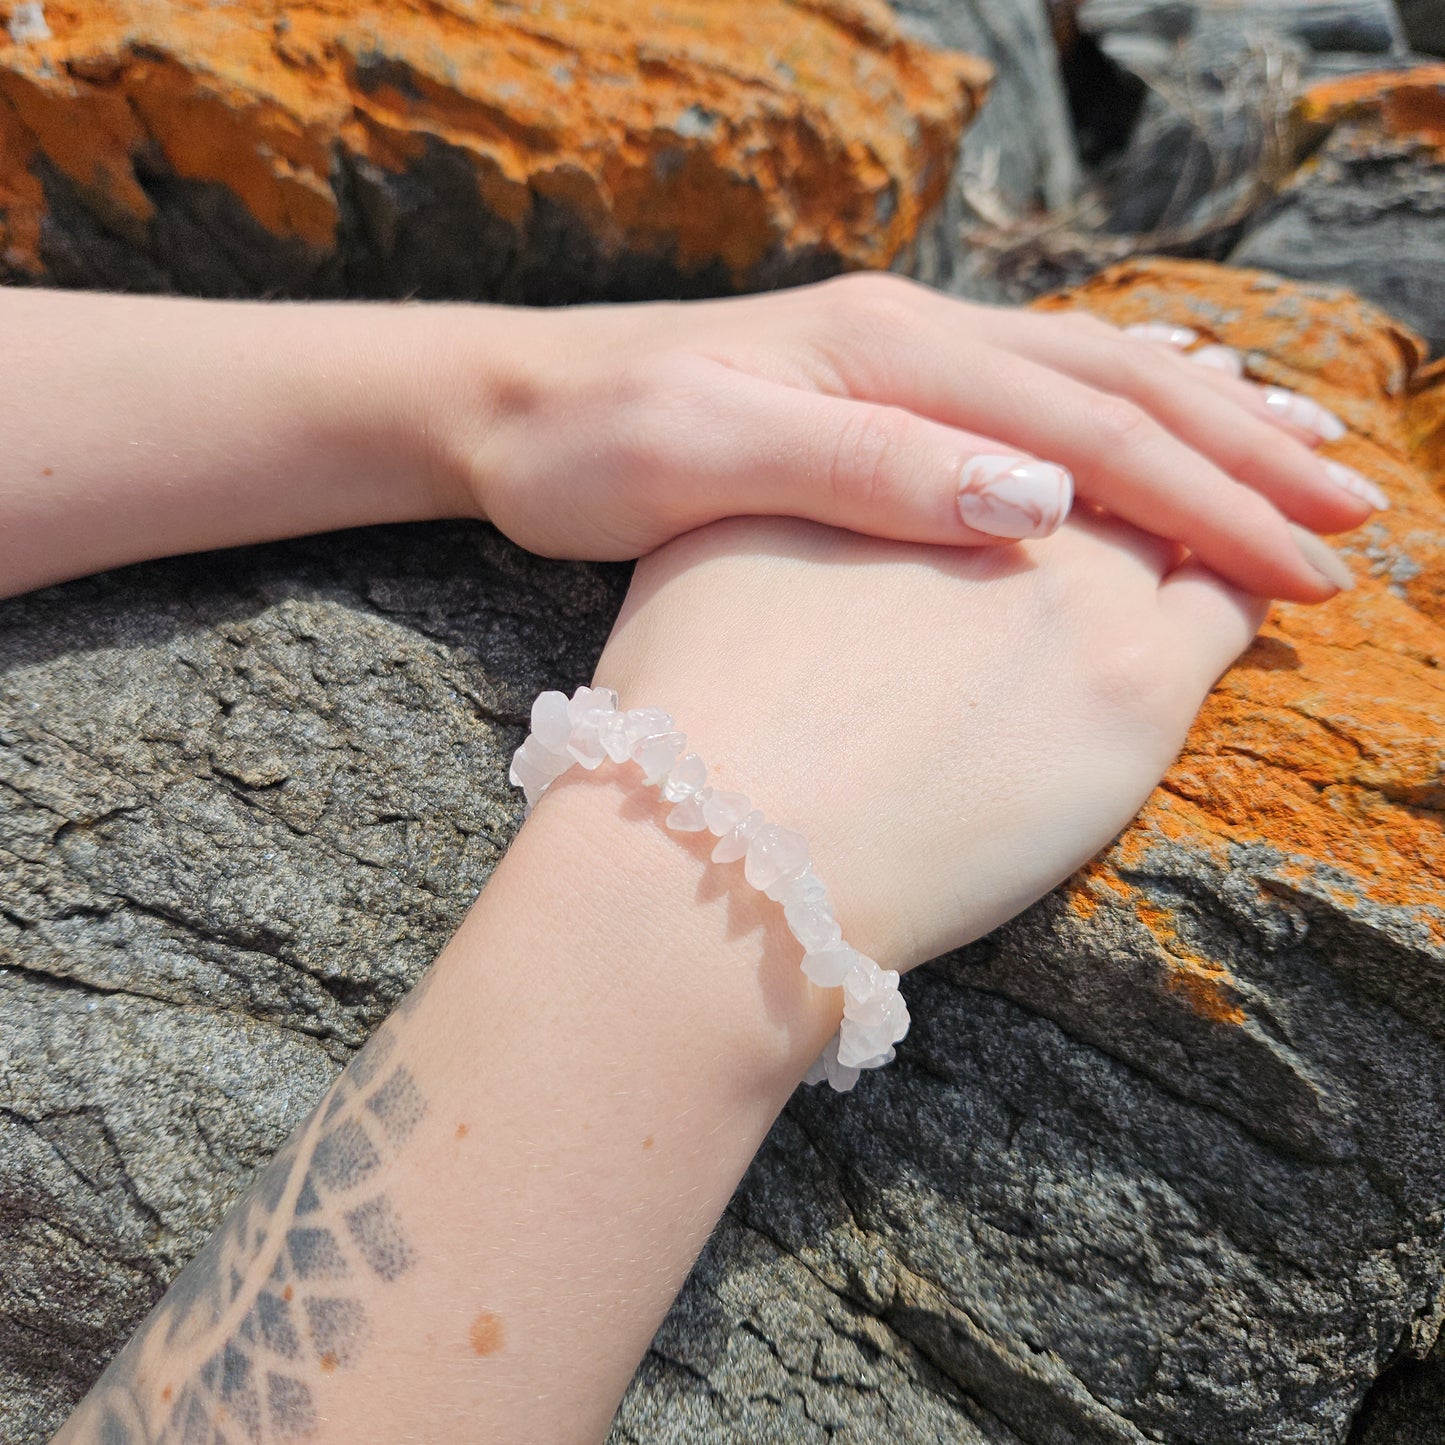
x: 478, y: 1232
x: 579, y: 1085
x: 137, y: 427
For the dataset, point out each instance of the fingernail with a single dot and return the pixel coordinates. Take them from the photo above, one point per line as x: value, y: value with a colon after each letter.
x: 1221, y: 358
x: 1014, y: 496
x: 1180, y: 336
x: 1323, y: 558
x: 1347, y: 479
x: 1304, y: 413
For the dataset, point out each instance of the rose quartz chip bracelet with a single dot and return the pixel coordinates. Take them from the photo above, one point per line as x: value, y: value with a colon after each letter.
x: 588, y: 729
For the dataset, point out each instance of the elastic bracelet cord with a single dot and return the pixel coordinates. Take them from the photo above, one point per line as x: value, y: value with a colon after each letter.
x: 589, y: 729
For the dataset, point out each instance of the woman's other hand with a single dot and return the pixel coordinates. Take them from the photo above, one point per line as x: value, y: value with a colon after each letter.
x: 875, y: 404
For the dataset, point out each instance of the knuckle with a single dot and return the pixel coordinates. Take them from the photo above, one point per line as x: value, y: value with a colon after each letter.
x: 1120, y: 424
x: 1085, y: 323
x: 1251, y: 451
x: 1251, y: 515
x: 871, y: 304
x: 1133, y: 680
x: 646, y: 418
x: 863, y: 288
x: 866, y: 468
x: 1135, y: 370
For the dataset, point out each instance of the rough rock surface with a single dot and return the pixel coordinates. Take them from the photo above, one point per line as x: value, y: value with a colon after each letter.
x: 1163, y: 1160
x: 1020, y: 155
x: 1214, y: 132
x: 487, y: 150
x: 1371, y: 203
x: 243, y: 799
x: 1142, y: 31
x: 1424, y: 22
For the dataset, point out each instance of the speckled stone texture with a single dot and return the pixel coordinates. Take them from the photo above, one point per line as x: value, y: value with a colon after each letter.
x: 244, y: 799
x: 1020, y: 152
x: 470, y: 148
x: 1163, y: 1160
x: 1370, y: 202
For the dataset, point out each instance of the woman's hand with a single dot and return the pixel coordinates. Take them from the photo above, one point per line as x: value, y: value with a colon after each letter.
x: 478, y: 1232
x: 867, y: 402
x: 875, y: 404
x: 954, y: 731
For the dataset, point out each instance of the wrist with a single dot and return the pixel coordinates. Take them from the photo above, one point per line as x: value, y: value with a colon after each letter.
x: 760, y: 751
x: 458, y: 377
x: 709, y: 962
x: 359, y: 377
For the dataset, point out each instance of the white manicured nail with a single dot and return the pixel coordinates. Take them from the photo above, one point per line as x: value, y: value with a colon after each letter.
x: 1221, y: 358
x: 1304, y: 413
x: 1014, y: 497
x: 1180, y: 336
x: 1347, y: 479
x: 1323, y: 558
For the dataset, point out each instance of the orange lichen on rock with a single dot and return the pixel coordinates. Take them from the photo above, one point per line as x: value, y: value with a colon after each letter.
x: 710, y: 131
x: 1326, y: 742
x: 1407, y: 104
x: 1206, y: 985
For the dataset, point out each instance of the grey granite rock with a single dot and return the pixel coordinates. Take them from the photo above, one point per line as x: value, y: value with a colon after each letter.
x: 1407, y: 1404
x: 1359, y: 27
x: 1214, y: 137
x: 1369, y: 212
x: 243, y: 801
x: 246, y: 797
x: 1019, y: 155
x: 1424, y: 22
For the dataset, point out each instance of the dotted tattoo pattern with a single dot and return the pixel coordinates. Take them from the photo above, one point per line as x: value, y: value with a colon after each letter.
x: 273, y: 1298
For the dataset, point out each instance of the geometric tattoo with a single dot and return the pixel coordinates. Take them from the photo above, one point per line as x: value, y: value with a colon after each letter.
x: 273, y: 1297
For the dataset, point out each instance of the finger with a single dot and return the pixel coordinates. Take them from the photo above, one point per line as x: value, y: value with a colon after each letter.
x: 1121, y: 458
x: 875, y: 469
x: 1216, y: 621
x: 1222, y: 368
x: 1235, y: 424
x: 1298, y: 416
x: 1153, y: 556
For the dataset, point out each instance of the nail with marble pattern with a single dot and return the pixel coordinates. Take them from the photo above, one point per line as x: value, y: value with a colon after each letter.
x: 1347, y: 479
x: 1305, y: 413
x: 1014, y: 497
x: 1219, y: 358
x: 1180, y: 336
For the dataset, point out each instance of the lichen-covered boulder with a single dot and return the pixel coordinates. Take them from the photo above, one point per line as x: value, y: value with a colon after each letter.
x: 487, y: 150
x: 1162, y: 1160
x: 1369, y: 203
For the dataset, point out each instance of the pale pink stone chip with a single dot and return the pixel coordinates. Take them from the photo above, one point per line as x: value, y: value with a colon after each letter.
x: 687, y: 775
x: 551, y: 725
x: 828, y: 967
x: 734, y: 843
x: 775, y: 853
x: 656, y: 755
x: 687, y: 816
x: 725, y: 811
x: 813, y: 925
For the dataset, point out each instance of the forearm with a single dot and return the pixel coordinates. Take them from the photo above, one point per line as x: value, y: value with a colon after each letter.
x: 137, y: 426
x: 513, y: 1180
